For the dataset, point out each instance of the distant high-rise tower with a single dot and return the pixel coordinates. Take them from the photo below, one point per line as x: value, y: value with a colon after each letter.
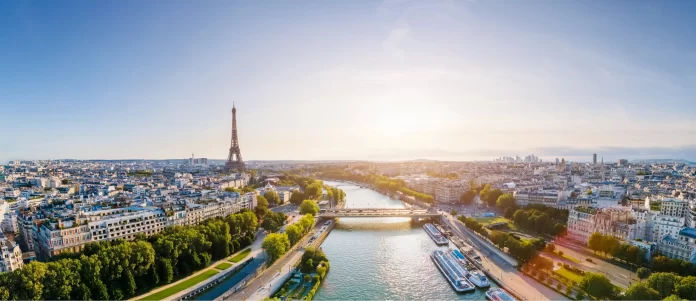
x: 234, y: 159
x: 594, y: 159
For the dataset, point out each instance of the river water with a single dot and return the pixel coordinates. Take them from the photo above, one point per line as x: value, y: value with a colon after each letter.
x: 382, y: 258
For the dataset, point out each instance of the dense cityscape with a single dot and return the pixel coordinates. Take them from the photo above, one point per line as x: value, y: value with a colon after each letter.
x: 572, y: 226
x: 347, y: 150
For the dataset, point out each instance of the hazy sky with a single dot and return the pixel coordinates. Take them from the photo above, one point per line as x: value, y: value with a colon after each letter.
x: 380, y: 80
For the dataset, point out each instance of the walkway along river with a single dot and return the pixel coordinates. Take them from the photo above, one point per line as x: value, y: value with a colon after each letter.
x: 382, y: 258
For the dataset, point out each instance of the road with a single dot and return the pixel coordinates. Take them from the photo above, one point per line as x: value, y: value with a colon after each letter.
x: 618, y: 275
x: 255, y: 250
x: 257, y: 286
x: 524, y: 286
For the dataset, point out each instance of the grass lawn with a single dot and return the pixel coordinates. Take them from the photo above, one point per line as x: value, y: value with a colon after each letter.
x: 181, y: 286
x: 223, y: 266
x: 568, y: 274
x: 241, y: 255
x: 496, y: 219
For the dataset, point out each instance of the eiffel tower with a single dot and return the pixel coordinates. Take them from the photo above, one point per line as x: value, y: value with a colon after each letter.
x: 234, y: 159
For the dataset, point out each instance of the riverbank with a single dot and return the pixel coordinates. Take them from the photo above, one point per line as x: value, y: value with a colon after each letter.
x: 203, y: 279
x: 265, y: 283
x: 383, y: 258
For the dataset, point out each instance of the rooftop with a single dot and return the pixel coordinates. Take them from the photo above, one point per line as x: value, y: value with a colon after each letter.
x: 688, y: 232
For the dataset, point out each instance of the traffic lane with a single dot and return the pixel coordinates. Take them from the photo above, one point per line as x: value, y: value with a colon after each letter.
x: 521, y: 284
x: 616, y: 274
x: 268, y: 274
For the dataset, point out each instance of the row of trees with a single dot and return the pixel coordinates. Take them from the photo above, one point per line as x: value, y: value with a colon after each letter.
x: 334, y: 193
x: 523, y: 250
x: 610, y: 245
x: 381, y: 183
x: 277, y: 244
x: 661, y: 263
x: 272, y: 221
x: 536, y: 220
x: 474, y: 225
x: 119, y: 269
x: 490, y: 196
x: 667, y: 286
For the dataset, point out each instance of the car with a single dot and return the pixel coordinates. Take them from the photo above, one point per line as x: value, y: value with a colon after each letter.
x: 589, y: 260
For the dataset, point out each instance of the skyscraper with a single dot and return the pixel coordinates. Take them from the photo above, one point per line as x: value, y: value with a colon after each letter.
x: 594, y: 159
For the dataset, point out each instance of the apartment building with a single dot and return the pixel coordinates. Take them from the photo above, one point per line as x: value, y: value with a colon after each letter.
x: 681, y: 246
x: 544, y: 197
x: 54, y: 236
x: 10, y: 256
x: 674, y: 207
x: 579, y: 226
x: 620, y: 223
x: 449, y: 192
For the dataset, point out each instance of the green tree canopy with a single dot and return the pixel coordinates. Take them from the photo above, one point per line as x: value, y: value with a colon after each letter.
x: 468, y: 197
x: 663, y: 282
x: 272, y: 197
x: 309, y: 207
x: 296, y: 197
x: 686, y: 288
x: 597, y: 285
x: 642, y: 273
x: 506, y: 201
x: 275, y: 245
x: 641, y: 291
x: 261, y: 201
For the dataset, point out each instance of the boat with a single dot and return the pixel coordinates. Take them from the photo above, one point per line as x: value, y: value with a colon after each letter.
x: 460, y: 258
x: 499, y: 294
x: 474, y: 275
x: 435, y: 234
x: 452, y: 271
x: 478, y: 278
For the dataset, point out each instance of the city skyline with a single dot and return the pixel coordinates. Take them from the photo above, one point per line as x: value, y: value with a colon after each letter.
x: 403, y: 80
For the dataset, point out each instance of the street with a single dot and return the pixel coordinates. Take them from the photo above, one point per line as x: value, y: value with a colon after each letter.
x: 618, y: 275
x: 522, y: 285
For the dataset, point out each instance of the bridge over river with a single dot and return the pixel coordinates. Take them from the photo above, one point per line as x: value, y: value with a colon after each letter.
x: 377, y: 212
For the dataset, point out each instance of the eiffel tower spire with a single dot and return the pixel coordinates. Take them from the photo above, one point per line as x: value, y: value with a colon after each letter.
x: 234, y: 159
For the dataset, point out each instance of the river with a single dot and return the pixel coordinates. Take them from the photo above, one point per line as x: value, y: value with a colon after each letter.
x: 382, y: 258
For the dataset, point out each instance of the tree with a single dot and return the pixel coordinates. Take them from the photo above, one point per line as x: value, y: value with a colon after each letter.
x: 309, y: 207
x: 296, y: 197
x: 492, y: 196
x: 641, y: 291
x: 686, y: 288
x: 29, y: 281
x: 269, y: 224
x: 453, y: 212
x: 595, y: 241
x: 272, y: 197
x: 313, y: 191
x: 261, y: 201
x: 579, y: 295
x: 597, y: 285
x: 642, y: 273
x: 275, y: 245
x: 468, y: 197
x: 506, y: 201
x: 663, y: 283
x: 294, y: 233
x: 232, y: 189
x: 673, y: 298
x: 550, y: 247
x: 509, y: 212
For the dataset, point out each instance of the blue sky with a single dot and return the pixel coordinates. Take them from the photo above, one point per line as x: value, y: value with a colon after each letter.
x: 376, y: 80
